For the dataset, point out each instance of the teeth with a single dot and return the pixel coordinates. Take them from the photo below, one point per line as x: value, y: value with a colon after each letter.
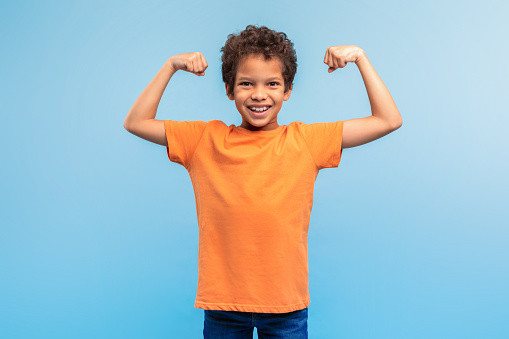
x: 258, y: 109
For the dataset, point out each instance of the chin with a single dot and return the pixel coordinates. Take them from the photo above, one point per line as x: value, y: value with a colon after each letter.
x: 259, y: 123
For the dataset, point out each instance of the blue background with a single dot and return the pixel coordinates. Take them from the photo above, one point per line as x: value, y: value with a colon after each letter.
x: 99, y: 238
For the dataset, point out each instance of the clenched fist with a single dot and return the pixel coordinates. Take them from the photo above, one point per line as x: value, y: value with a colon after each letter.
x: 190, y: 62
x: 338, y: 56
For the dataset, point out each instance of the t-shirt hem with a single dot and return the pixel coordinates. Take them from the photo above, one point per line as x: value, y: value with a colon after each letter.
x: 170, y: 140
x: 336, y: 158
x: 251, y: 308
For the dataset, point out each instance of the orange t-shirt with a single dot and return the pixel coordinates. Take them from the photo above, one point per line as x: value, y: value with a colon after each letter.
x: 254, y: 194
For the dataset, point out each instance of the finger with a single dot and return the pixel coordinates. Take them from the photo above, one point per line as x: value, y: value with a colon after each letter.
x: 197, y: 66
x: 197, y: 60
x: 326, y: 57
x: 330, y: 57
x: 204, y: 62
x: 332, y: 66
x: 200, y: 69
x: 335, y: 63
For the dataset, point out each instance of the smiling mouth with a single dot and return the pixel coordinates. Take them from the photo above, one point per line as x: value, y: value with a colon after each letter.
x: 260, y: 113
x: 259, y: 110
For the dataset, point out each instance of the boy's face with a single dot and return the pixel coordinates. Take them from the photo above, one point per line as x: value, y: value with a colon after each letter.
x: 260, y: 84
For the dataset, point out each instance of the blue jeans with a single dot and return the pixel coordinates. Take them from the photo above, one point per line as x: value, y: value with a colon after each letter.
x: 240, y: 325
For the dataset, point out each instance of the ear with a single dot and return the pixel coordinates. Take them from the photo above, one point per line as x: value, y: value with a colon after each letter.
x: 230, y: 96
x: 287, y: 93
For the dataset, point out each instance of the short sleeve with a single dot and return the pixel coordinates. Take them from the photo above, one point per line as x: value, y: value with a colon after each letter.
x: 324, y: 141
x: 183, y: 138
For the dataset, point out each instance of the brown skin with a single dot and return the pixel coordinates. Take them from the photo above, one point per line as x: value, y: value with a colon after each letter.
x: 385, y: 117
x: 262, y: 90
x: 259, y: 82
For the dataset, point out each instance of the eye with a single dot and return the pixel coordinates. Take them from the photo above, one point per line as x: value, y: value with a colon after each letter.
x: 273, y: 82
x: 244, y: 83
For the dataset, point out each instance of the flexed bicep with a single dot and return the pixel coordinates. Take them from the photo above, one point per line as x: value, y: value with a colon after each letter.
x: 151, y: 129
x: 360, y: 131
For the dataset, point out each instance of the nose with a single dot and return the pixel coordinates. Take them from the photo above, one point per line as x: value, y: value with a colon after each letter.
x: 258, y: 93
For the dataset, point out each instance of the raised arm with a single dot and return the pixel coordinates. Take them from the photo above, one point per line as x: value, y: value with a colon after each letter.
x: 385, y: 117
x: 140, y: 119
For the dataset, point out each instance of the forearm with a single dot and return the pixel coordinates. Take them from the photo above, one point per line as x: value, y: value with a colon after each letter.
x: 382, y: 104
x: 145, y: 106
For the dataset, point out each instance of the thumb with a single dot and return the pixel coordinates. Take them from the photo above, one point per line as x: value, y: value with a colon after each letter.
x: 331, y: 69
x: 200, y: 73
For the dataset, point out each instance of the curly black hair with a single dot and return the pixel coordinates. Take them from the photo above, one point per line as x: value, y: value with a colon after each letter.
x: 258, y: 41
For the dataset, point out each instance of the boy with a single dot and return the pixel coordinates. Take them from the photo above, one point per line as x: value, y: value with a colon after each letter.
x: 253, y: 183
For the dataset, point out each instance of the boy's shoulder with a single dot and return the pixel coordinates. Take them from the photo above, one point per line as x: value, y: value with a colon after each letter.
x: 203, y: 123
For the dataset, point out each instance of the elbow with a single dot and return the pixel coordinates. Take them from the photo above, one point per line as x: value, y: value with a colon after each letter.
x: 397, y: 124
x: 126, y: 126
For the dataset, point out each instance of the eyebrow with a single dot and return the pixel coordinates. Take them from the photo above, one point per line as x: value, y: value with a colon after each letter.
x: 270, y: 79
